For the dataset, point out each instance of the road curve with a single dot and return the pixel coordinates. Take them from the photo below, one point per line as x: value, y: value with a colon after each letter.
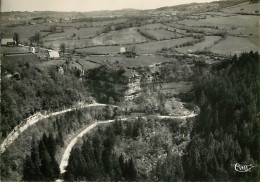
x: 34, y: 119
x: 179, y: 117
x: 65, y: 156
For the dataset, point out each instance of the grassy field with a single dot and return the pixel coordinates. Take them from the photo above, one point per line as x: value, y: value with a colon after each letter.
x: 25, y: 58
x: 100, y: 50
x: 124, y: 36
x: 6, y: 50
x: 154, y: 26
x: 74, y: 33
x: 50, y: 63
x: 141, y: 61
x: 160, y: 34
x: 128, y: 62
x: 153, y: 47
x: 255, y: 40
x: 244, y: 8
x: 87, y: 64
x: 225, y: 22
x: 207, y: 43
x: 246, y: 31
x: 70, y: 44
x: 25, y: 31
x: 145, y: 48
x: 234, y: 45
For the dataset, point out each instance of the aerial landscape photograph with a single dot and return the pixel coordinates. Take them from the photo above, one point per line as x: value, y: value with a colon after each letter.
x: 130, y: 90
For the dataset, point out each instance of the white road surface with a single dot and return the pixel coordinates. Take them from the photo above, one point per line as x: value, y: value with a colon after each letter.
x: 66, y: 155
x: 34, y: 119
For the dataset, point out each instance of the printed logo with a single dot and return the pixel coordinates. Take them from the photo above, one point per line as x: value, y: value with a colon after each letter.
x: 243, y: 168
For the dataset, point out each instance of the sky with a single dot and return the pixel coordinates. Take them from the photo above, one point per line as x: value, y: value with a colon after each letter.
x: 87, y: 5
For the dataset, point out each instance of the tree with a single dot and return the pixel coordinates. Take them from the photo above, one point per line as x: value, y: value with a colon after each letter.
x: 28, y: 169
x: 37, y: 37
x: 16, y: 38
x: 132, y: 172
x: 63, y: 48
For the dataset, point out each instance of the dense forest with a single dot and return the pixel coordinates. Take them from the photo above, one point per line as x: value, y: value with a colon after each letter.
x: 96, y: 159
x: 35, y: 91
x: 225, y: 132
x: 228, y: 126
x: 107, y: 83
x: 59, y: 128
x: 41, y: 164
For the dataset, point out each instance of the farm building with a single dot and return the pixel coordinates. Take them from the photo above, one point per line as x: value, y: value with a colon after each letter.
x: 54, y: 54
x: 122, y: 49
x: 7, y: 42
x: 33, y: 50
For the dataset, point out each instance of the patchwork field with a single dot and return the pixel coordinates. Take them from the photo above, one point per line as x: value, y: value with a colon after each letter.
x: 225, y: 22
x: 25, y: 32
x: 160, y: 34
x: 21, y: 58
x: 154, y: 26
x: 255, y: 40
x: 124, y: 36
x: 128, y: 62
x: 144, y: 48
x: 70, y: 44
x: 234, y: 45
x: 201, y: 46
x: 50, y: 63
x: 87, y: 64
x: 10, y: 50
x: 245, y: 8
x: 153, y: 47
x: 73, y: 33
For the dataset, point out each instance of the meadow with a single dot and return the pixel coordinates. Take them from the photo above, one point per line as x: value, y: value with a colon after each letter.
x: 201, y: 46
x: 234, y: 45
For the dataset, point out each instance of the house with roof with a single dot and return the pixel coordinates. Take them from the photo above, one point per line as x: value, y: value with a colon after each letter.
x: 54, y: 54
x: 7, y: 42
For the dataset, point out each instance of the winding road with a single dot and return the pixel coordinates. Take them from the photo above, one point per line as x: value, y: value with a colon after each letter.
x: 66, y: 154
x: 36, y: 118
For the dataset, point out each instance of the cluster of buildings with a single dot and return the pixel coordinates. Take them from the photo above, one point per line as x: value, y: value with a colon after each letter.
x: 41, y: 53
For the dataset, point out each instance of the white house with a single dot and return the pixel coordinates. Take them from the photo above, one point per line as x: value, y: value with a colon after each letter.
x: 54, y: 54
x: 7, y: 42
x: 122, y: 49
x: 33, y: 50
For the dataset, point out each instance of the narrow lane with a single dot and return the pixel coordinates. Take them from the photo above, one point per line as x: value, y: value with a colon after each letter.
x: 12, y: 136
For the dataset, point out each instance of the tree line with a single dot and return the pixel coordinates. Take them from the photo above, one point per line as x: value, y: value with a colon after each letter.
x: 96, y: 159
x: 41, y: 163
x: 228, y: 126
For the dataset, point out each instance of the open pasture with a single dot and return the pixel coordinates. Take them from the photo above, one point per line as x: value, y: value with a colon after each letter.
x: 153, y: 47
x: 88, y: 64
x: 234, y: 45
x: 12, y: 50
x: 70, y: 43
x: 21, y: 58
x: 74, y: 33
x: 139, y: 61
x: 24, y: 31
x: 45, y: 65
x: 160, y: 34
x: 225, y: 22
x: 144, y: 48
x: 201, y: 46
x: 100, y: 50
x: 124, y: 36
x: 244, y: 8
x: 153, y: 26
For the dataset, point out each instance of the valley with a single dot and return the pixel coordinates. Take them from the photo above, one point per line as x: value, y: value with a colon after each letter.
x: 168, y: 94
